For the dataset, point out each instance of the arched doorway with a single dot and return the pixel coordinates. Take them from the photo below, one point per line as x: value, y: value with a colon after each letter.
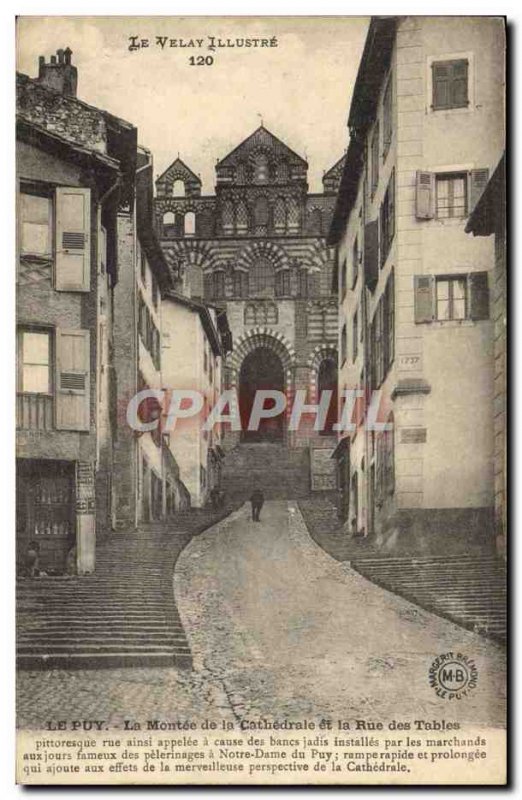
x: 327, y: 379
x: 261, y: 369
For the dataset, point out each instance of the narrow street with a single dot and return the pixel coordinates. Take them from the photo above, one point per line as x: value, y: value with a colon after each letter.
x: 277, y: 629
x: 288, y: 631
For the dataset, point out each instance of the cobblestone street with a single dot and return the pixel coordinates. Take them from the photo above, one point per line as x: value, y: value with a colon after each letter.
x: 278, y: 628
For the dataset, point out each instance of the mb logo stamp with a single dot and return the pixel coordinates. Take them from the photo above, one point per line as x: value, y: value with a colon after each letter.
x: 453, y: 675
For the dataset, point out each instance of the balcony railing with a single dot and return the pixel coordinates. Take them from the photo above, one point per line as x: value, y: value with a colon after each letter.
x: 34, y: 412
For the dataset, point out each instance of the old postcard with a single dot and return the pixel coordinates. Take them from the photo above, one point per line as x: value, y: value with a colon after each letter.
x: 261, y: 400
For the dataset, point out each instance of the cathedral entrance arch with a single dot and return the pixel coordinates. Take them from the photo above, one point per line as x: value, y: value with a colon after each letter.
x: 261, y: 369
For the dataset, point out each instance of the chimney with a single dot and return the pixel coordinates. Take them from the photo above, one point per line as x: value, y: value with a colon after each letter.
x: 59, y: 74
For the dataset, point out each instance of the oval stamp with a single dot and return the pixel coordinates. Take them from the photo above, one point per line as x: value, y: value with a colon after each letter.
x: 453, y: 675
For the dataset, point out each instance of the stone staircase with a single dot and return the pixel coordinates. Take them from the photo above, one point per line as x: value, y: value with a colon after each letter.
x: 279, y: 472
x: 468, y: 589
x: 123, y: 615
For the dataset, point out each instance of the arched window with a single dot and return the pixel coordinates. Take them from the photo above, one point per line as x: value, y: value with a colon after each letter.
x: 283, y: 283
x: 261, y: 168
x: 240, y: 283
x: 241, y: 218
x: 292, y: 216
x: 280, y: 215
x: 178, y: 188
x: 228, y: 217
x: 189, y: 227
x: 261, y: 212
x: 218, y: 284
x: 262, y: 278
x: 169, y: 224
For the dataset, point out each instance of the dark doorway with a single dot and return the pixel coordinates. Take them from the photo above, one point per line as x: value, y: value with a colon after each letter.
x: 327, y: 379
x: 45, y: 512
x: 261, y: 369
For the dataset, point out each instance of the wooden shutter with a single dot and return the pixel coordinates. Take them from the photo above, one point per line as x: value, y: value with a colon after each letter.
x: 459, y: 84
x: 424, y: 298
x: 441, y: 79
x: 477, y: 183
x: 73, y: 241
x: 72, y: 379
x: 425, y: 195
x: 371, y: 254
x: 478, y: 295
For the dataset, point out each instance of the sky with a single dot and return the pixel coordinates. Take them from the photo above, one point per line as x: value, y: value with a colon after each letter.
x: 300, y: 89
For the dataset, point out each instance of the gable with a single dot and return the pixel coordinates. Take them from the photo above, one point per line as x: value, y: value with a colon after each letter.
x: 261, y: 141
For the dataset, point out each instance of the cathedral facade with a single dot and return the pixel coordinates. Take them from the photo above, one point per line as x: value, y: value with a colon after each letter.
x: 257, y: 247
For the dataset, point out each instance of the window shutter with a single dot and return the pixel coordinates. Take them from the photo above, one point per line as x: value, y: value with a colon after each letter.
x: 459, y: 84
x: 73, y: 241
x: 425, y: 195
x: 477, y: 180
x: 441, y: 78
x: 72, y: 379
x: 424, y: 297
x: 371, y: 254
x: 478, y: 295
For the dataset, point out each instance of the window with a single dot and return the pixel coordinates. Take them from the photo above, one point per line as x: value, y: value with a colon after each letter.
x: 452, y: 195
x: 189, y: 226
x: 343, y: 278
x: 303, y: 283
x: 240, y: 283
x: 293, y: 217
x: 218, y: 284
x: 261, y: 169
x: 450, y: 84
x: 228, y: 217
x: 387, y: 118
x: 451, y: 298
x: 143, y: 268
x: 355, y: 336
x: 241, y: 218
x: 387, y: 215
x: 260, y: 314
x: 178, y: 188
x: 261, y: 212
x: 155, y: 291
x: 279, y: 215
x: 35, y: 362
x: 262, y: 278
x: 355, y: 262
x: 382, y: 335
x: 374, y: 179
x: 283, y: 283
x: 36, y: 225
x: 344, y: 344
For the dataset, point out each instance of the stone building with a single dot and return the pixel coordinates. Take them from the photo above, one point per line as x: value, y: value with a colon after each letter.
x: 75, y: 168
x: 257, y: 247
x: 426, y: 130
x: 489, y: 219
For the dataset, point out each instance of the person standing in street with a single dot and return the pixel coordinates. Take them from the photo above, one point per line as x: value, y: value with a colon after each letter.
x: 257, y: 499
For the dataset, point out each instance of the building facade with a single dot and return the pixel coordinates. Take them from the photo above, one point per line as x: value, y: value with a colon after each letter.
x: 257, y: 248
x: 426, y: 130
x: 73, y: 168
x: 489, y: 219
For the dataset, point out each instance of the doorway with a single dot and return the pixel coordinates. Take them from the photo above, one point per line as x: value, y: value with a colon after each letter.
x: 261, y: 369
